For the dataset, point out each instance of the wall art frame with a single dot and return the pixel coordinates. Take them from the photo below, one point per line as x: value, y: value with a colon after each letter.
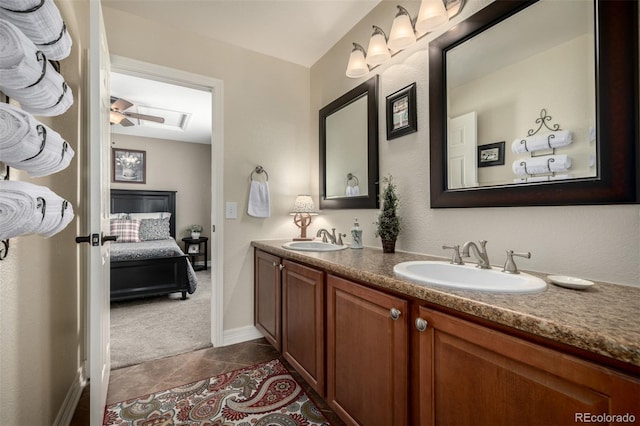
x: 402, y: 116
x: 128, y: 165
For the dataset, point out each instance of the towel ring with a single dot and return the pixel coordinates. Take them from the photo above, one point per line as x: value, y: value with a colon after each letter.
x: 350, y: 177
x: 259, y: 170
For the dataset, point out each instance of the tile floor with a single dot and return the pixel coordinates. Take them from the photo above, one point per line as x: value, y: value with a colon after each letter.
x: 169, y: 372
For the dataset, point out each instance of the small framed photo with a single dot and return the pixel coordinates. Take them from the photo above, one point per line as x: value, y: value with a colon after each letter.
x: 193, y: 249
x: 128, y: 165
x: 402, y: 117
x: 491, y: 154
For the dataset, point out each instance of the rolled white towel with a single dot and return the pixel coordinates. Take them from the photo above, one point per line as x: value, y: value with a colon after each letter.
x: 27, y: 75
x: 26, y: 208
x: 37, y: 149
x: 539, y: 142
x: 41, y: 22
x: 543, y: 164
x: 15, y: 125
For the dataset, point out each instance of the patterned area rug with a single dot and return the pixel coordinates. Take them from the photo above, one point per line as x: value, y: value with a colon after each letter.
x: 262, y: 395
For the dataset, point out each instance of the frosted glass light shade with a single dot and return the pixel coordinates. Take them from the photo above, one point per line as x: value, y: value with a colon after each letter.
x: 357, y: 66
x: 377, y: 52
x: 432, y: 14
x: 402, y: 34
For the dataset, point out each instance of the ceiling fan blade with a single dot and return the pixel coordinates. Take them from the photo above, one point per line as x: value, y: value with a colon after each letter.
x: 144, y: 117
x: 126, y: 123
x: 119, y: 104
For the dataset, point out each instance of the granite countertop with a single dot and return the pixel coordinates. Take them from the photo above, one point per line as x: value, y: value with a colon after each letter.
x: 603, y: 319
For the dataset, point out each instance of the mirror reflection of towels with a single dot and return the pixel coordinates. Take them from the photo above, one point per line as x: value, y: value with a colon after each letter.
x: 353, y: 191
x: 259, y: 200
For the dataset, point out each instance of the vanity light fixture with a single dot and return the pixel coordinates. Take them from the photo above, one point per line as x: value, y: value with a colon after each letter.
x: 357, y: 66
x: 303, y: 209
x: 377, y: 52
x: 433, y: 13
x: 404, y: 33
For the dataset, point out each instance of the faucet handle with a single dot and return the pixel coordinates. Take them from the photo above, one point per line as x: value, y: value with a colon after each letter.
x: 339, y: 241
x: 510, y: 266
x: 455, y: 259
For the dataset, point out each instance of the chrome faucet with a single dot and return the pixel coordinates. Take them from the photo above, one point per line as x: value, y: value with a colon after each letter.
x: 480, y: 253
x: 325, y: 234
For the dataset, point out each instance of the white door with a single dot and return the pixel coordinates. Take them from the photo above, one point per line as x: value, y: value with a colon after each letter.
x: 98, y: 175
x: 462, y: 151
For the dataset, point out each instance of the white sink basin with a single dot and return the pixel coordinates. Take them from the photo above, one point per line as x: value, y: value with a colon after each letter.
x: 468, y: 277
x: 313, y: 246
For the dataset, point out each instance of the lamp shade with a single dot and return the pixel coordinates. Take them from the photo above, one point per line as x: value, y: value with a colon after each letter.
x: 304, y: 204
x: 357, y: 66
x: 402, y: 34
x: 432, y: 14
x: 377, y: 52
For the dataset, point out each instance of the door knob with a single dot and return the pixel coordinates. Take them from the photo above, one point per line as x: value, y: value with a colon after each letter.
x: 106, y: 238
x: 93, y: 239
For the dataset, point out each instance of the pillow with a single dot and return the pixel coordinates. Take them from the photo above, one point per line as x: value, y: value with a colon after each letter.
x: 150, y: 215
x: 154, y: 229
x: 127, y: 231
x: 118, y: 216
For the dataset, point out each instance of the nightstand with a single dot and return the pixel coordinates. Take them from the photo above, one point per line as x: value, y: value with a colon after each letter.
x: 193, y: 248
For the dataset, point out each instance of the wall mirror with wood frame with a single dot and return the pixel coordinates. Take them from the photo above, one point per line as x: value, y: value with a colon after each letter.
x: 349, y: 149
x: 523, y: 70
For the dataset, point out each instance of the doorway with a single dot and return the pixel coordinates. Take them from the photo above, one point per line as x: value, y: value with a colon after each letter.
x: 215, y: 88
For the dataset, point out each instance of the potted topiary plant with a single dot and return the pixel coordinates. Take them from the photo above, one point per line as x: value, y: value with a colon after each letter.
x: 388, y: 225
x: 195, y: 231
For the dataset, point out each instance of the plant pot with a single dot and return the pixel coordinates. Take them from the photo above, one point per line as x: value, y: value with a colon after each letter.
x: 195, y: 235
x: 389, y: 246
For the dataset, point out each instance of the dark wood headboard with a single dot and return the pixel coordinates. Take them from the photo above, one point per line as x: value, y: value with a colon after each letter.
x: 143, y: 201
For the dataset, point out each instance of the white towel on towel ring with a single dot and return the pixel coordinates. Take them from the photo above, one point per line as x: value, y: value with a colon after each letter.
x: 259, y: 199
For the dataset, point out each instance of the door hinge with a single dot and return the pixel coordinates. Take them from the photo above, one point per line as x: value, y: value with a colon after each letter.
x: 213, y: 228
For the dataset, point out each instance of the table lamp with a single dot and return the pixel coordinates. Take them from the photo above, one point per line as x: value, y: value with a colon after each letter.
x: 302, y: 211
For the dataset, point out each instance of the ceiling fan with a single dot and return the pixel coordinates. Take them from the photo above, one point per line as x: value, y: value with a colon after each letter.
x: 120, y: 116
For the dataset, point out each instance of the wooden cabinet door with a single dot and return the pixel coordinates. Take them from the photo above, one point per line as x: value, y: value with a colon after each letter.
x: 267, y: 297
x: 367, y: 374
x: 472, y: 375
x: 303, y: 322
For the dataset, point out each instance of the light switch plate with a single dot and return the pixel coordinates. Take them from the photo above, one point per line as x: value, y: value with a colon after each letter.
x: 231, y: 210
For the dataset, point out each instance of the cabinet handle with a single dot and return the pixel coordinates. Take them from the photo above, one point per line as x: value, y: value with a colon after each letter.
x: 421, y: 324
x: 395, y: 313
x: 281, y: 266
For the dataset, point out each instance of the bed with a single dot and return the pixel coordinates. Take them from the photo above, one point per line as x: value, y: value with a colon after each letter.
x: 146, y: 260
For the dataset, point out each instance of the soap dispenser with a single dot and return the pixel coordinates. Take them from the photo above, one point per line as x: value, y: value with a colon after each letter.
x: 356, y: 235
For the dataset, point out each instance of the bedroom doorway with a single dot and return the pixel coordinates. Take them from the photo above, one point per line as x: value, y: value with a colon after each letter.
x: 174, y: 166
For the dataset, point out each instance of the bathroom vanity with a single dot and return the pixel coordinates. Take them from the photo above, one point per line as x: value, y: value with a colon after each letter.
x: 385, y: 351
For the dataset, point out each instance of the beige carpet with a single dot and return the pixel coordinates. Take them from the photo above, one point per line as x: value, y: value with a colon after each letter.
x: 158, y: 327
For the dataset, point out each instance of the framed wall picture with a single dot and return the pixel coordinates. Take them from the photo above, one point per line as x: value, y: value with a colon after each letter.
x: 491, y: 154
x: 128, y: 165
x: 402, y: 117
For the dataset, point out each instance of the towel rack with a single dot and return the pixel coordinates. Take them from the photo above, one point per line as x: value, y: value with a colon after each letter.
x: 4, y: 244
x: 259, y: 170
x: 542, y: 121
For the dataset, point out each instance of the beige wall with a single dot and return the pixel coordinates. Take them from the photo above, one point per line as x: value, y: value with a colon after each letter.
x: 41, y: 331
x: 266, y: 122
x: 175, y: 166
x: 593, y: 242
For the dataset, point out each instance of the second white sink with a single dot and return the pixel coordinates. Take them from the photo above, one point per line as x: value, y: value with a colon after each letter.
x: 313, y: 246
x: 468, y: 277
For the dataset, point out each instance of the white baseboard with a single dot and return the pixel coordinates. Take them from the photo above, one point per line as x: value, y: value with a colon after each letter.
x: 242, y: 334
x: 70, y: 403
